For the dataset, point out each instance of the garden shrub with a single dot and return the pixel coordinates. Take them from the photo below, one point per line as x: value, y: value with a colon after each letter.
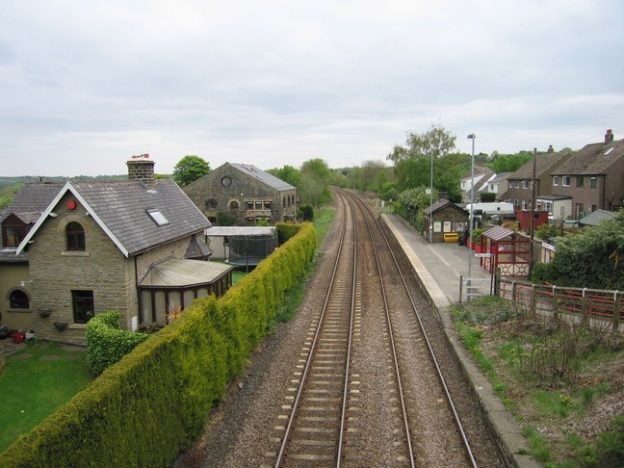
x: 152, y: 404
x: 107, y: 343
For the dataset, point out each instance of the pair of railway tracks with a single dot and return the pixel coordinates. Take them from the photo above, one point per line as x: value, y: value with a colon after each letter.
x: 346, y: 406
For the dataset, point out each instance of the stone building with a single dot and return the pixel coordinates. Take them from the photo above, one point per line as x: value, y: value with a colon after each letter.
x: 445, y: 217
x: 124, y: 246
x: 239, y: 194
x: 16, y: 220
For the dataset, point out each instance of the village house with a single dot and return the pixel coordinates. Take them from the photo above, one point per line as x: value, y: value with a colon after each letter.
x: 520, y: 182
x: 132, y: 246
x: 592, y: 177
x: 242, y: 194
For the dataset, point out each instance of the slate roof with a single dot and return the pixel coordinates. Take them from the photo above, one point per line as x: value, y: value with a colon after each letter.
x: 31, y: 201
x: 596, y: 217
x: 441, y: 203
x: 263, y: 176
x: 121, y: 210
x: 592, y: 159
x: 543, y: 164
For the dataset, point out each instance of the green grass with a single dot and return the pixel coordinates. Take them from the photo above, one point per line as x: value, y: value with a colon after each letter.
x: 538, y: 447
x: 237, y: 275
x: 323, y: 218
x: 35, y: 382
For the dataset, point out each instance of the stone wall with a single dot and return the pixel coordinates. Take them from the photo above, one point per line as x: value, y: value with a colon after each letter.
x: 55, y: 272
x: 212, y: 196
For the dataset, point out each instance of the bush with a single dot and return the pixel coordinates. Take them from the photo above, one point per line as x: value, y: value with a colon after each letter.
x: 306, y: 212
x: 153, y: 403
x: 107, y: 343
x: 543, y: 273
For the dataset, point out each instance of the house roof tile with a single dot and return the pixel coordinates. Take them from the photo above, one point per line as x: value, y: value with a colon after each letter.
x: 592, y: 159
x: 263, y: 176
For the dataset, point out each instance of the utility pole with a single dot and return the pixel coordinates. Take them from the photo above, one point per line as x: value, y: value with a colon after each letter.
x: 532, y: 220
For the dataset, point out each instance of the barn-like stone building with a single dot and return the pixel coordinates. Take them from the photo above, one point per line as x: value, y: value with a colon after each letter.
x: 242, y: 194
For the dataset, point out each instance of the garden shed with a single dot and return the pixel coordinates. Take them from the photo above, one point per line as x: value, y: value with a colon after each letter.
x: 448, y: 221
x: 506, y: 250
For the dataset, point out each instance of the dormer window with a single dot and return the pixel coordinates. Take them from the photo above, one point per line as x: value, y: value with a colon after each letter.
x: 158, y: 217
x: 75, y: 236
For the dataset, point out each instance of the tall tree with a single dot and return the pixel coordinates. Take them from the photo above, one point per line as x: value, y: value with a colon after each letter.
x: 189, y: 169
x: 436, y: 142
x: 314, y: 182
x: 287, y: 174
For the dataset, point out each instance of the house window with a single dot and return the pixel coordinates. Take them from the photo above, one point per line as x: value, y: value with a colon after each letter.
x: 13, y: 235
x: 593, y: 182
x: 234, y: 205
x: 594, y: 208
x: 556, y: 180
x: 19, y: 300
x: 83, y: 306
x: 258, y: 205
x: 283, y: 201
x: 566, y: 181
x: 158, y: 217
x: 211, y: 204
x: 579, y: 180
x: 250, y: 205
x: 267, y: 205
x: 75, y: 236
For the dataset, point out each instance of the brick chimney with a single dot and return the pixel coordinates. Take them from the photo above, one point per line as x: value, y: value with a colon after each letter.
x: 551, y: 149
x: 141, y: 168
x: 608, y: 137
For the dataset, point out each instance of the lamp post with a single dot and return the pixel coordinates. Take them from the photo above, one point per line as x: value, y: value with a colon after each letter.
x: 431, y: 201
x: 472, y: 137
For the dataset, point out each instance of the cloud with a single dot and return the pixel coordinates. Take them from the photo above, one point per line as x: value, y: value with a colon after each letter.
x: 279, y: 82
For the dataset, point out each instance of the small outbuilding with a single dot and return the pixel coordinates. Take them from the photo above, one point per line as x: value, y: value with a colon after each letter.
x: 445, y: 221
x: 241, y: 245
x: 506, y: 250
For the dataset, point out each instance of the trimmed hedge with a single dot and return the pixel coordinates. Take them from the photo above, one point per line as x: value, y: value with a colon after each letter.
x: 152, y: 404
x: 107, y: 343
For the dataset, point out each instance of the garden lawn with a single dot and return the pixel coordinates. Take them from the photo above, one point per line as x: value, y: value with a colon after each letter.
x: 35, y: 382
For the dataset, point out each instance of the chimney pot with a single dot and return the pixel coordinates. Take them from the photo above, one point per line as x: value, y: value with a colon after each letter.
x: 551, y: 149
x: 608, y: 136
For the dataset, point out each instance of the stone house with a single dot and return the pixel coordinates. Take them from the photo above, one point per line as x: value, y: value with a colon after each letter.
x: 242, y: 194
x: 592, y: 177
x: 445, y: 217
x: 15, y: 222
x: 130, y: 246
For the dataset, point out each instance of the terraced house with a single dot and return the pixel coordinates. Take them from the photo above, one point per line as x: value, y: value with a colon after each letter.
x: 130, y: 246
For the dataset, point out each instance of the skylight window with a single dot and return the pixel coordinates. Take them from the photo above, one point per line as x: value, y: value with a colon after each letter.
x: 609, y: 150
x: 158, y: 217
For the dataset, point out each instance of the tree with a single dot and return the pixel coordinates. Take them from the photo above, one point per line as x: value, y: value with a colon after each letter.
x: 314, y: 182
x: 437, y: 142
x: 189, y: 169
x: 593, y: 258
x: 288, y: 174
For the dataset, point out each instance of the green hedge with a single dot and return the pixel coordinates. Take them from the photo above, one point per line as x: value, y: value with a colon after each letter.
x: 107, y: 343
x: 152, y: 404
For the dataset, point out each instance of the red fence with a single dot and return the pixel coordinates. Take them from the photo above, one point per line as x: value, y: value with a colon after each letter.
x: 583, y: 302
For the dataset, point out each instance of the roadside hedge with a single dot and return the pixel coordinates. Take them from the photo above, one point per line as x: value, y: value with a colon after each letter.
x: 107, y: 343
x: 152, y: 404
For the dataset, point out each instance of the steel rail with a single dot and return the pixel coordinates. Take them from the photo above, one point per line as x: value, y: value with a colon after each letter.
x: 447, y: 392
x: 308, y: 364
x: 395, y: 358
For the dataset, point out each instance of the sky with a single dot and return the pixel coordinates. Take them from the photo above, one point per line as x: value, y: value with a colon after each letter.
x: 86, y: 84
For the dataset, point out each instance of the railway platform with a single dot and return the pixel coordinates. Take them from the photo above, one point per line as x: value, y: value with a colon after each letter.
x: 441, y: 267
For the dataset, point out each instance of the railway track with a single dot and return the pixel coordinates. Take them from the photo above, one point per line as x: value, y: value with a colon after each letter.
x: 367, y: 390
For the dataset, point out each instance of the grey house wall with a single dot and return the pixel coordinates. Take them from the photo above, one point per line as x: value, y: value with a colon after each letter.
x: 212, y: 197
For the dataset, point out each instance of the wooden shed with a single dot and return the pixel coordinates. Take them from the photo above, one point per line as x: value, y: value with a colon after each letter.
x: 507, y: 251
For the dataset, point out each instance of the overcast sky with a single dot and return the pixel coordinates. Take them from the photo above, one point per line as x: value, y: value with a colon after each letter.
x: 86, y: 84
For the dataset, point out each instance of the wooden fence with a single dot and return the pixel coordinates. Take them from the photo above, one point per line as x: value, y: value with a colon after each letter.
x: 583, y: 303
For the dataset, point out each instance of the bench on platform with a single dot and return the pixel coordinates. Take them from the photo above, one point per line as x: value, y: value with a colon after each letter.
x: 451, y: 237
